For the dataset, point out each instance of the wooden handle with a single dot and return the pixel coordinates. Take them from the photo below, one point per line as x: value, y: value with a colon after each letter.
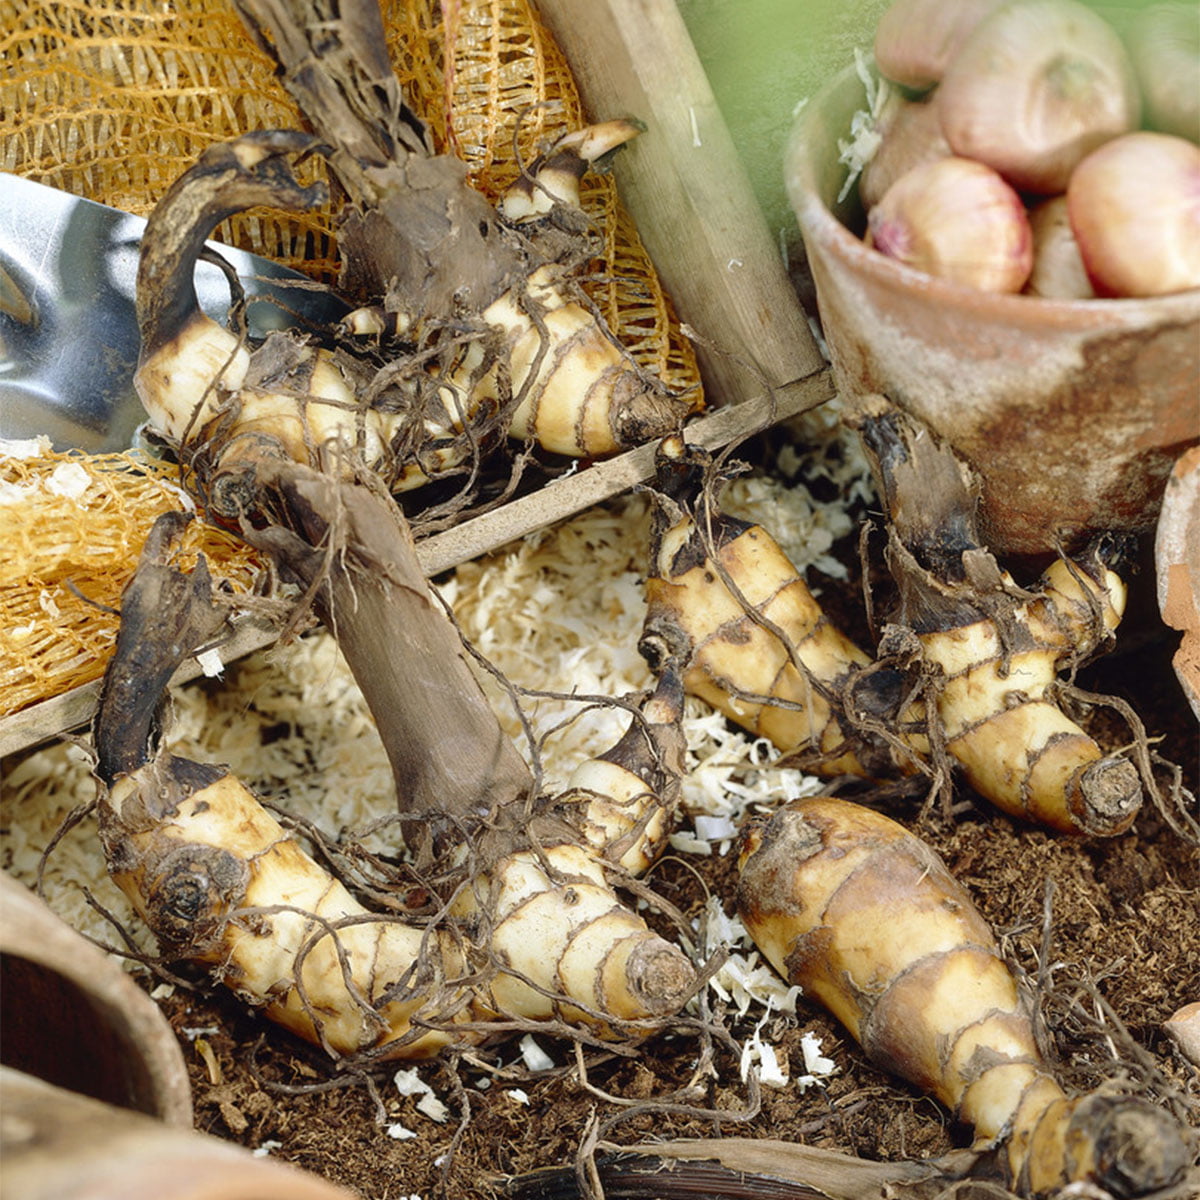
x: 686, y: 188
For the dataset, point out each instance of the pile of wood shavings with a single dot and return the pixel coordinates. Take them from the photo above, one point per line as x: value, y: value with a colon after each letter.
x: 559, y: 612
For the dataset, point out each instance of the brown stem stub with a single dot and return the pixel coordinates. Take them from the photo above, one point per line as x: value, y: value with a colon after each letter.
x: 660, y: 976
x: 1126, y: 1145
x: 228, y: 178
x: 452, y: 761
x: 165, y: 616
x: 1107, y: 796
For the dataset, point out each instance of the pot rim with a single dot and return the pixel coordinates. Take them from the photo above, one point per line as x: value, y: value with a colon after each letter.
x: 32, y: 931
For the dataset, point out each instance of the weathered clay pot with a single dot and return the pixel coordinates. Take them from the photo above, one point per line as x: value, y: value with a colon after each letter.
x: 72, y: 1016
x: 59, y: 1145
x: 1177, y: 567
x: 94, y: 1096
x: 1072, y: 412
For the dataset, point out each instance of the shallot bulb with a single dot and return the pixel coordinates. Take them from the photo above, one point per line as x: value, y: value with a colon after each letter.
x: 1164, y: 42
x: 916, y: 39
x: 956, y: 219
x: 1037, y: 86
x: 1134, y: 205
x: 1058, y: 270
x: 911, y: 133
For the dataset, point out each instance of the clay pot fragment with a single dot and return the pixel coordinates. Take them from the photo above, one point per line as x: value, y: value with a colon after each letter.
x: 71, y: 1015
x: 59, y: 1145
x: 1177, y: 564
x: 95, y: 1102
x: 1183, y: 1028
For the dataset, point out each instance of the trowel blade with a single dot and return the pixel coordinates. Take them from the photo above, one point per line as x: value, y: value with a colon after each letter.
x: 68, y: 333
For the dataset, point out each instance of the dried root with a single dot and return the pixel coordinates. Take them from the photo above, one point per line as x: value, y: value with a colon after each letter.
x: 866, y: 918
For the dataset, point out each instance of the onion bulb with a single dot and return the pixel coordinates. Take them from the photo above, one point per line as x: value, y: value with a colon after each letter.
x: 916, y: 39
x: 911, y: 134
x: 1164, y: 42
x: 1037, y: 86
x: 1058, y: 271
x: 956, y: 219
x: 1134, y: 205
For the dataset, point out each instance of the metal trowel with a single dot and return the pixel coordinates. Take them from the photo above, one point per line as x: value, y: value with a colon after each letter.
x: 68, y: 334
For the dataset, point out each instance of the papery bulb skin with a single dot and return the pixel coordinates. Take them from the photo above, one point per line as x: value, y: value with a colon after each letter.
x: 958, y: 220
x: 1037, y: 87
x: 911, y: 132
x: 1058, y: 271
x: 1134, y: 205
x: 915, y: 40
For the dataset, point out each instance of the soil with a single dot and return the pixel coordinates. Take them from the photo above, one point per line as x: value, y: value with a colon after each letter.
x: 1105, y: 932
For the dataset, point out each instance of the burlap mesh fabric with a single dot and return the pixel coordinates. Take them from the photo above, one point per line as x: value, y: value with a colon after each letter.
x: 113, y: 99
x: 74, y: 525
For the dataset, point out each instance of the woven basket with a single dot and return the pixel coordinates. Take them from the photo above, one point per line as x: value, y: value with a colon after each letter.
x: 74, y: 525
x: 112, y: 100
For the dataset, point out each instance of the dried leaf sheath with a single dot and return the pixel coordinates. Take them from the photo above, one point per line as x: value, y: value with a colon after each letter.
x: 165, y: 619
x: 413, y: 223
x: 354, y: 553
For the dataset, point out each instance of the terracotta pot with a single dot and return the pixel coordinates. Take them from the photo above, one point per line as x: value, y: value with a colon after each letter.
x: 1183, y: 1028
x: 58, y: 1145
x: 94, y: 1096
x: 1072, y: 412
x: 71, y: 1015
x: 1177, y: 567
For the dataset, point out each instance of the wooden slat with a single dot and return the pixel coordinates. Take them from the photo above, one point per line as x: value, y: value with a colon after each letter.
x: 688, y: 193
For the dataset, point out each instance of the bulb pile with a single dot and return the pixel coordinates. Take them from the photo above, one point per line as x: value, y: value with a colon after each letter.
x: 1031, y: 146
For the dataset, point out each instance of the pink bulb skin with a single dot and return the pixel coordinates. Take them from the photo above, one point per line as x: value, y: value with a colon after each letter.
x: 1134, y: 206
x: 957, y: 220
